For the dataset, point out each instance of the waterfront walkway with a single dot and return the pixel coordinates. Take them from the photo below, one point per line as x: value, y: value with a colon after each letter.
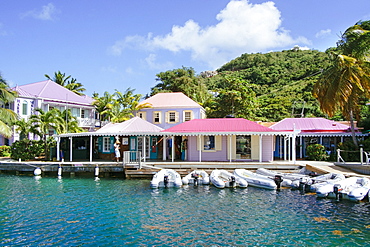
x: 109, y: 168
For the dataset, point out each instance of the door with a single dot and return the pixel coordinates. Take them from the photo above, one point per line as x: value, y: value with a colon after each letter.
x: 141, y: 141
x: 153, y: 148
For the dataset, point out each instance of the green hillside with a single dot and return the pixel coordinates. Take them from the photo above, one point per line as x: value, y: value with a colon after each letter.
x: 282, y: 81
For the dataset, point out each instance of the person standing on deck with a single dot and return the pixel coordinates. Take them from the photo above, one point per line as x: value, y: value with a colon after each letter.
x: 117, y: 152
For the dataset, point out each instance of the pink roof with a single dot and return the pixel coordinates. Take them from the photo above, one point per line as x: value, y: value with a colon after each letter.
x: 218, y: 125
x: 134, y: 125
x: 310, y: 125
x: 170, y: 100
x: 50, y: 90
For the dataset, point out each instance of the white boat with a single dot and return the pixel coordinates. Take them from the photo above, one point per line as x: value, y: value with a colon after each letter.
x: 355, y: 189
x: 342, y: 189
x: 196, y: 177
x: 166, y: 178
x: 222, y: 179
x: 281, y: 179
x: 329, y: 178
x: 255, y: 179
x: 289, y: 176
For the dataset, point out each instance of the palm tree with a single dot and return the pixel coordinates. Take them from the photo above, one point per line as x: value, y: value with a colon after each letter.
x: 67, y: 82
x: 47, y: 121
x: 7, y: 116
x: 25, y: 128
x: 347, y: 80
x: 104, y: 106
x: 59, y: 78
x: 70, y: 122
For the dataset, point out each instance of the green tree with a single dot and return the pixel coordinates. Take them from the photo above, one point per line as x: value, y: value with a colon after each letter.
x: 104, y: 106
x: 70, y: 122
x: 7, y: 116
x: 347, y: 80
x: 235, y: 97
x: 125, y: 105
x: 48, y: 121
x: 25, y: 128
x: 183, y: 80
x: 67, y: 82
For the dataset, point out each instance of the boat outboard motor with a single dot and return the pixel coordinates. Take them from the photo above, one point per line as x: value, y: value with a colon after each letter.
x: 165, y: 181
x: 278, y: 180
x: 195, y: 176
x: 232, y: 182
x: 337, y: 189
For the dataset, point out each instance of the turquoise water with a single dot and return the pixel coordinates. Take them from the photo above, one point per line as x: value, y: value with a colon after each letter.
x: 117, y: 212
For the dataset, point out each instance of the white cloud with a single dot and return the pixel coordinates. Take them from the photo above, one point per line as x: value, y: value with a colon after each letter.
x: 47, y: 13
x: 242, y: 28
x: 323, y: 33
x: 151, y: 61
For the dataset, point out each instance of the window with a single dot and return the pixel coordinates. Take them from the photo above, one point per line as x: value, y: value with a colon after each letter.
x: 188, y: 115
x: 157, y: 117
x: 141, y: 114
x: 84, y: 113
x: 24, y: 107
x: 106, y: 144
x: 243, y: 147
x: 209, y: 142
x: 172, y: 117
x: 75, y: 112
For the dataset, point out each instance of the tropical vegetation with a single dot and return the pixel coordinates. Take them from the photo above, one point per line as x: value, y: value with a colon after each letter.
x: 67, y: 82
x: 7, y: 116
x: 118, y: 107
x: 346, y: 82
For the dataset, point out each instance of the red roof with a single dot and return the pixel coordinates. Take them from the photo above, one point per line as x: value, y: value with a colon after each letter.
x: 218, y: 125
x: 310, y: 125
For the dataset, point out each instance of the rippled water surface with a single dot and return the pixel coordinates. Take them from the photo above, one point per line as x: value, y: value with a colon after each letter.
x: 117, y: 212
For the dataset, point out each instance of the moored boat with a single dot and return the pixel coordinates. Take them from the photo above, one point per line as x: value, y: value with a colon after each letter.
x: 357, y: 187
x: 196, y: 177
x: 255, y: 179
x: 287, y: 176
x: 223, y: 178
x: 329, y: 178
x: 166, y: 178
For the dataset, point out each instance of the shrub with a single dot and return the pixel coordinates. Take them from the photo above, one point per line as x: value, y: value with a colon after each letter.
x: 317, y: 152
x: 27, y: 149
x: 4, y: 151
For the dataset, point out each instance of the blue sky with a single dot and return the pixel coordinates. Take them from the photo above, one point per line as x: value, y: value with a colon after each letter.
x: 117, y: 44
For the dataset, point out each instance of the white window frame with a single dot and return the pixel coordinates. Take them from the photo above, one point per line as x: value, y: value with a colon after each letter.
x: 25, y: 107
x: 106, y: 144
x: 141, y: 114
x: 169, y: 116
x: 188, y: 118
x: 159, y: 117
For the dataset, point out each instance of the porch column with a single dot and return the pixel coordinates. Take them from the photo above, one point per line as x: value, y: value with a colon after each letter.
x: 293, y: 149
x: 58, y: 148
x: 144, y: 148
x: 70, y: 148
x: 164, y: 147
x: 200, y: 148
x: 91, y: 148
x: 290, y: 148
x: 230, y: 147
x: 300, y: 147
x: 173, y: 148
x: 285, y: 137
x: 260, y: 154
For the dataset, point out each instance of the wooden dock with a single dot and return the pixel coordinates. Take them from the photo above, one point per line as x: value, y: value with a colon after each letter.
x: 148, y: 169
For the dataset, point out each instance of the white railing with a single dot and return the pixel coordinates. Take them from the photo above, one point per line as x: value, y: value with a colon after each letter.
x: 362, y: 154
x: 132, y: 157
